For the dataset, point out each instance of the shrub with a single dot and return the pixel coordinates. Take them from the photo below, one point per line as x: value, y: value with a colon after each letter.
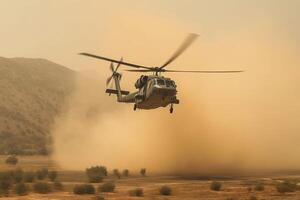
x: 5, y: 183
x: 249, y: 189
x: 98, y: 198
x: 42, y: 187
x: 143, y: 171
x: 107, y: 187
x: 58, y: 186
x: 52, y: 175
x: 216, y: 186
x: 125, y: 173
x: 96, y: 174
x: 84, y: 189
x: 17, y: 175
x: 286, y: 186
x: 259, y: 187
x: 165, y: 190
x: 29, y: 177
x: 117, y: 173
x: 41, y: 174
x: 21, y: 189
x: 252, y: 198
x: 138, y: 192
x: 11, y: 160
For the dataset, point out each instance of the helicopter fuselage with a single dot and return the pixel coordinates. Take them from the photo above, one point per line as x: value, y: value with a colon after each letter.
x: 153, y: 92
x: 157, y: 91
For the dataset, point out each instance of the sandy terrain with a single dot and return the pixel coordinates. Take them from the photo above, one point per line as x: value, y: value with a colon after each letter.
x: 235, y: 188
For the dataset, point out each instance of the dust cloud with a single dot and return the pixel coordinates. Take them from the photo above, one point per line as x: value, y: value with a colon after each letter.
x: 224, y: 123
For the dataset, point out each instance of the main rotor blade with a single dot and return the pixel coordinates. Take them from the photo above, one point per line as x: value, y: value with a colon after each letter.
x: 204, y: 71
x: 187, y: 42
x: 139, y: 70
x: 114, y: 61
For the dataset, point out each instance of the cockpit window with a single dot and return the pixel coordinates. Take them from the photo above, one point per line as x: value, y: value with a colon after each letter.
x: 169, y: 83
x: 160, y: 82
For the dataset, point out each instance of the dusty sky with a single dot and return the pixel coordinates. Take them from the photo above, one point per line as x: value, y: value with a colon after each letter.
x: 59, y: 29
x: 245, y: 121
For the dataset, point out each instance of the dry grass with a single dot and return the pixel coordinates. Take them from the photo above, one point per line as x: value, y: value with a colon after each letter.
x: 181, y: 188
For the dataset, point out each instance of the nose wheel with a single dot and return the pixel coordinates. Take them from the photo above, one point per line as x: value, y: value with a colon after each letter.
x: 171, y: 108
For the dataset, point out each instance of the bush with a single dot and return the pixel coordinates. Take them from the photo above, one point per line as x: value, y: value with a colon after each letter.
x: 84, y: 189
x: 107, y: 187
x: 42, y: 187
x: 286, y: 186
x: 165, y: 190
x: 259, y: 187
x: 41, y: 174
x: 29, y: 177
x: 98, y: 198
x: 58, y: 186
x: 137, y: 192
x: 252, y: 198
x: 117, y: 173
x: 21, y: 189
x: 143, y: 171
x: 17, y: 175
x: 96, y: 174
x: 5, y: 183
x: 52, y: 175
x: 11, y: 160
x: 216, y: 186
x: 125, y: 173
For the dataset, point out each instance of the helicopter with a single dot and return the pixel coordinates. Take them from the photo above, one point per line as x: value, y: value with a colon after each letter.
x: 153, y: 91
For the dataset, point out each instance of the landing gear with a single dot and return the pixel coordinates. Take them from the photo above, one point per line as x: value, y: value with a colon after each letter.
x: 134, y: 107
x: 171, y: 108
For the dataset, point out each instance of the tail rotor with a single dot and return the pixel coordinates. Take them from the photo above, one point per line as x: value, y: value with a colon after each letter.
x: 114, y: 72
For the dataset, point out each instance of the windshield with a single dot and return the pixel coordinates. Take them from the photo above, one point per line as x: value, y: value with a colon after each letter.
x: 160, y: 82
x: 169, y: 83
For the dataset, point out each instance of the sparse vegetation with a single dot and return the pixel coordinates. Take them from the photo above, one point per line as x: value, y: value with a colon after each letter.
x: 253, y: 198
x: 143, y: 171
x: 165, y: 190
x: 215, y: 186
x: 259, y: 187
x: 117, y: 173
x: 21, y: 189
x: 95, y: 174
x: 125, y: 173
x: 57, y: 185
x: 17, y: 175
x: 137, y: 192
x: 12, y: 160
x: 84, y: 189
x: 29, y: 177
x: 107, y: 187
x: 98, y: 198
x: 42, y: 187
x: 286, y: 186
x: 5, y: 183
x: 41, y: 174
x: 52, y: 175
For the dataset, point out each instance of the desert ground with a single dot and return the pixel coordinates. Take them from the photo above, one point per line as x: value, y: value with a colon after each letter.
x: 183, y: 187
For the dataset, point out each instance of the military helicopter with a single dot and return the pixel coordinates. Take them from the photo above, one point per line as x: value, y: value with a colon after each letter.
x: 153, y: 91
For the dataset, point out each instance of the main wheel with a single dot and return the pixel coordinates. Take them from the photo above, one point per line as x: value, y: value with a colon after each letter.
x: 171, y: 109
x: 134, y: 107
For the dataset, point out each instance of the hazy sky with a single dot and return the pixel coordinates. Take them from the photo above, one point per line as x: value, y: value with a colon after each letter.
x: 59, y: 29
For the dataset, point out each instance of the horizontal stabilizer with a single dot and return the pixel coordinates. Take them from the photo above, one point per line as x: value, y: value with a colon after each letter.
x: 111, y: 91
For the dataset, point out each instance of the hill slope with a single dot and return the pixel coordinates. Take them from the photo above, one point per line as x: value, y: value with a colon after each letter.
x: 32, y: 92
